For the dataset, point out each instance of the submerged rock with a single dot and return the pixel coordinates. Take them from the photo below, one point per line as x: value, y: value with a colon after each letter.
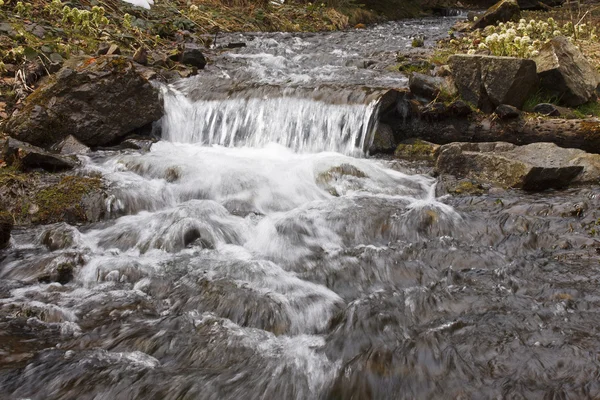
x: 566, y: 73
x: 537, y: 166
x: 59, y: 236
x: 503, y: 11
x: 97, y: 100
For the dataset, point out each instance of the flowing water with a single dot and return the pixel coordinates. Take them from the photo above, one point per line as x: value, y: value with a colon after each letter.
x: 256, y: 253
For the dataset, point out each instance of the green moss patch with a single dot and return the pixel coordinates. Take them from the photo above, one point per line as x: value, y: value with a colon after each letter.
x: 467, y: 188
x: 64, y: 201
x: 415, y: 150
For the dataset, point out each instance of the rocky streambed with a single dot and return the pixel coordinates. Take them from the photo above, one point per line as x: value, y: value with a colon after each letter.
x: 256, y: 251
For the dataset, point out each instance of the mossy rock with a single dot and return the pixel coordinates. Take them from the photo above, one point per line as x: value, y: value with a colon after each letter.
x: 339, y: 171
x: 69, y: 201
x: 98, y: 100
x: 467, y: 187
x: 416, y: 150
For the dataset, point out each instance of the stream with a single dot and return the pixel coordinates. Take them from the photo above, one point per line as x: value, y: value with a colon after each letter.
x: 258, y: 252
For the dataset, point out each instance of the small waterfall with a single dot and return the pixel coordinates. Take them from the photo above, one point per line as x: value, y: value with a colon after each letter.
x: 299, y: 123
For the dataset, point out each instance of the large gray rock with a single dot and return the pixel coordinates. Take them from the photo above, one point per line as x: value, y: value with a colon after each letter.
x: 536, y: 166
x: 488, y: 81
x: 566, y: 73
x: 70, y: 145
x: 503, y: 11
x: 97, y: 100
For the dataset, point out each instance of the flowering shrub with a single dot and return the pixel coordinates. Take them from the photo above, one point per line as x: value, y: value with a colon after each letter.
x: 521, y: 39
x: 85, y: 21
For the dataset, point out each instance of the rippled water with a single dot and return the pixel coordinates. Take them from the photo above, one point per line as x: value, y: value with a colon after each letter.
x: 243, y: 263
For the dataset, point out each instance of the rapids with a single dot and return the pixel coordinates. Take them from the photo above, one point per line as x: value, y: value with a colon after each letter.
x: 256, y: 252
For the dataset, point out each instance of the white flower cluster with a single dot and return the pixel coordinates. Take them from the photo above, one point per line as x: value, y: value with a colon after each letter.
x: 521, y: 39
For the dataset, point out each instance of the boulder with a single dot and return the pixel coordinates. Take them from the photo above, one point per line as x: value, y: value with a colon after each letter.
x: 488, y: 81
x: 430, y: 87
x: 141, y: 56
x: 536, y: 166
x: 97, y: 100
x: 27, y: 157
x: 565, y: 73
x: 503, y: 11
x: 191, y: 55
x: 552, y: 110
x: 6, y: 225
x: 504, y: 111
x: 59, y: 236
x: 383, y: 140
x: 459, y: 109
x: 416, y: 150
x: 70, y: 145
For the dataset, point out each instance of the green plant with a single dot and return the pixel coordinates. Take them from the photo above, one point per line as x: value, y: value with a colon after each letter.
x: 23, y: 10
x: 418, y: 42
x: 590, y: 108
x: 127, y: 21
x: 54, y: 8
x: 88, y: 22
x: 539, y: 97
x: 522, y: 39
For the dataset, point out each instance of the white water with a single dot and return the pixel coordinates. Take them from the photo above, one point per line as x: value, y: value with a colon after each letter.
x: 214, y: 231
x: 301, y: 124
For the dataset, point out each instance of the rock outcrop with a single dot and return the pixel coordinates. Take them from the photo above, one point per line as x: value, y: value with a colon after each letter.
x: 97, y: 100
x: 27, y: 157
x: 488, y: 81
x: 503, y: 11
x: 566, y: 73
x: 537, y: 166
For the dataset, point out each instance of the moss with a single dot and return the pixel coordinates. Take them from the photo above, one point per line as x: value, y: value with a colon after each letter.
x: 64, y: 201
x: 590, y: 129
x: 417, y: 150
x: 410, y: 68
x: 467, y: 187
x: 441, y: 56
